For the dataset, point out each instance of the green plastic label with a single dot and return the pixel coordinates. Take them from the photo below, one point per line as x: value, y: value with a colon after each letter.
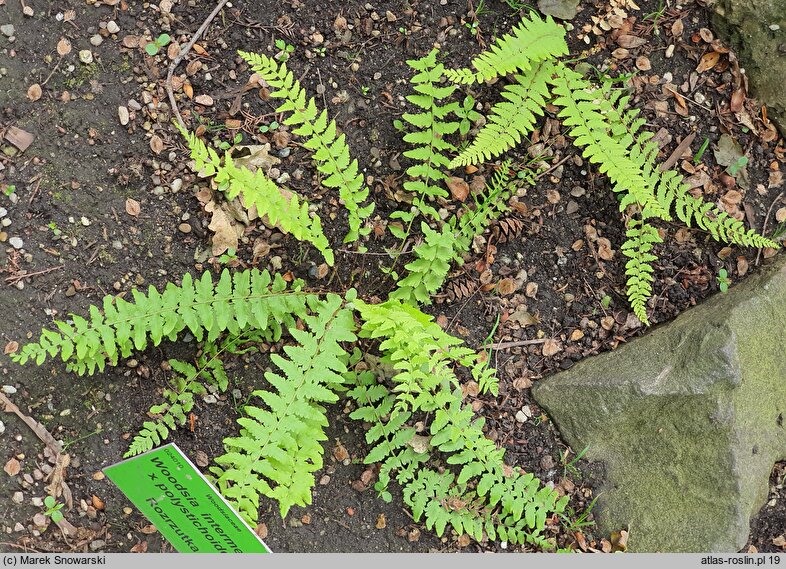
x: 182, y: 504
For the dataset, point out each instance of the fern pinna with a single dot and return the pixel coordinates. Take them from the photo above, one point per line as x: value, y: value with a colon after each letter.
x: 330, y: 152
x: 278, y: 448
x: 480, y: 498
x: 286, y: 210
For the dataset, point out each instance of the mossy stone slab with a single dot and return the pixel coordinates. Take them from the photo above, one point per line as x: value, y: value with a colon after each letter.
x: 757, y: 29
x: 689, y: 419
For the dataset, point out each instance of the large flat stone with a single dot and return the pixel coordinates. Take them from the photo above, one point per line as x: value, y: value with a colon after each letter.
x: 757, y: 30
x: 688, y: 419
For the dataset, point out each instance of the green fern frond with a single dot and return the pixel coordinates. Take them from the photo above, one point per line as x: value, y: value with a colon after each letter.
x: 284, y: 209
x: 512, y: 119
x: 533, y: 40
x: 480, y: 498
x: 637, y: 247
x: 430, y: 148
x: 278, y: 448
x: 251, y: 299
x: 329, y: 150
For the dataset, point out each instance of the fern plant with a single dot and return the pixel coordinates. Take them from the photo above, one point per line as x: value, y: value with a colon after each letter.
x: 610, y: 136
x: 430, y: 149
x: 287, y: 211
x: 481, y: 498
x: 330, y: 150
x: 439, y: 249
x: 278, y: 448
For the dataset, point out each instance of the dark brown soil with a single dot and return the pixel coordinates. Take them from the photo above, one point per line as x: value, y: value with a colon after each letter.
x: 80, y: 244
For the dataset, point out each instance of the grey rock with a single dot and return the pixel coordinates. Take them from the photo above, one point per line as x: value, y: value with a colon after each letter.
x: 756, y: 30
x: 688, y: 420
x: 7, y: 30
x: 562, y: 9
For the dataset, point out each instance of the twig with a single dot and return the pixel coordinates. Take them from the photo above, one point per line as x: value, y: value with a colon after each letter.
x: 681, y: 147
x: 52, y: 72
x: 183, y: 52
x: 766, y: 220
x: 13, y: 279
x: 553, y: 167
x: 506, y: 345
x: 689, y: 100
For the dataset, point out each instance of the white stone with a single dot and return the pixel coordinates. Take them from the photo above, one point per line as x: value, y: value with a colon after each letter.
x: 112, y: 27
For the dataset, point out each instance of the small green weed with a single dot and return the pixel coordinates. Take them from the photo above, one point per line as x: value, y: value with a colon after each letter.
x: 265, y: 128
x: 723, y: 280
x: 55, y: 230
x: 155, y: 46
x: 740, y: 163
x: 467, y: 114
x: 702, y: 149
x: 226, y: 145
x: 284, y: 50
x: 53, y: 508
x: 8, y: 190
x: 570, y: 466
x: 571, y: 522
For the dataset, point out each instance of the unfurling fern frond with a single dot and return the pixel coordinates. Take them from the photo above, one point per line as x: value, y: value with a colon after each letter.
x: 247, y: 299
x: 430, y: 148
x: 533, y: 40
x: 479, y: 498
x: 330, y: 150
x: 434, y: 256
x: 282, y: 208
x: 512, y: 119
x: 278, y: 448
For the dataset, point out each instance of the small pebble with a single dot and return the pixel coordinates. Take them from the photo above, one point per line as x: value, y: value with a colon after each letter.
x: 18, y: 497
x: 284, y: 152
x: 86, y: 56
x: 9, y: 389
x: 122, y: 113
x: 16, y: 242
x: 2, y: 428
x: 96, y: 40
x: 176, y: 184
x: 7, y: 30
x: 112, y: 27
x: 97, y: 544
x: 3, y: 212
x: 184, y: 228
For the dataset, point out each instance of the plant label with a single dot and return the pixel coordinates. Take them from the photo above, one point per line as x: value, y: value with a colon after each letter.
x: 188, y: 511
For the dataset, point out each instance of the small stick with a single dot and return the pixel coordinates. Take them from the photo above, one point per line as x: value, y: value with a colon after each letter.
x: 183, y: 52
x: 52, y: 72
x: 767, y: 219
x: 13, y: 279
x: 689, y: 100
x: 506, y: 345
x: 553, y: 167
x: 681, y: 147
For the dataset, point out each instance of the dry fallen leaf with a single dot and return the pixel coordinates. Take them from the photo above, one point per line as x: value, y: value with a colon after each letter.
x: 132, y: 207
x: 340, y: 452
x: 34, y: 92
x: 11, y: 347
x: 381, y: 522
x: 506, y: 286
x: 629, y: 42
x: 225, y: 236
x: 708, y: 61
x: 97, y: 502
x: 12, y: 467
x: 156, y: 144
x: 605, y: 251
x: 140, y: 547
x: 779, y: 541
x: 148, y: 529
x: 458, y: 187
x: 551, y: 347
x: 63, y: 47
x: 464, y: 540
x: 261, y: 530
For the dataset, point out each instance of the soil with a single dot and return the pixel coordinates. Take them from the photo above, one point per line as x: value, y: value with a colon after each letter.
x: 79, y: 243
